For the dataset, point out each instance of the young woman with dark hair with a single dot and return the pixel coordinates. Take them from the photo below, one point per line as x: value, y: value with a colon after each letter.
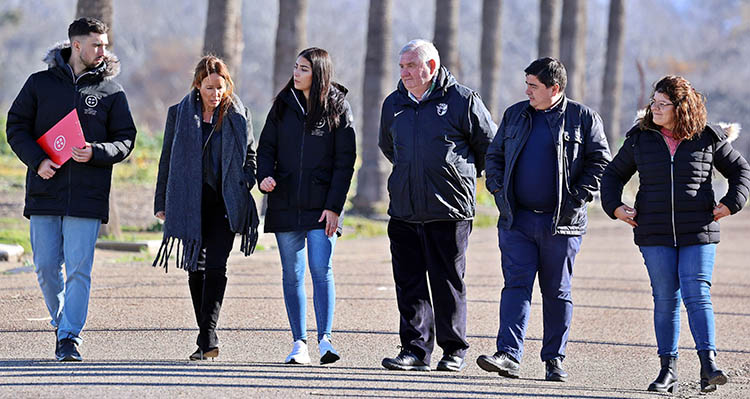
x: 675, y: 217
x: 206, y: 170
x: 306, y: 156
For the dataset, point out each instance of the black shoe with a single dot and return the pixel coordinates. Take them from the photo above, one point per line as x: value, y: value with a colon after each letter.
x: 554, y: 371
x: 666, y: 381
x: 67, y: 351
x: 501, y: 363
x: 451, y: 363
x: 405, y: 361
x: 711, y: 376
x: 200, y: 354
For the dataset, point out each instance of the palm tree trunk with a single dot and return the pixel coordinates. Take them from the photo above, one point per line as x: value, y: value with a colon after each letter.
x: 549, y: 28
x: 291, y: 34
x: 446, y: 33
x: 612, y: 87
x: 490, y: 54
x: 573, y: 46
x: 223, y: 35
x: 371, y: 176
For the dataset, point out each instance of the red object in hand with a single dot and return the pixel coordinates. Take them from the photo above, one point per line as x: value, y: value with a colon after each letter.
x: 61, y: 138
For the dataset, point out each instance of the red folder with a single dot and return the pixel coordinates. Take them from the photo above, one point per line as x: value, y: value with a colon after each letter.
x: 61, y: 138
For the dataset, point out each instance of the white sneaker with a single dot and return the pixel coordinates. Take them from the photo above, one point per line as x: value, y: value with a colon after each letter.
x: 327, y: 353
x: 299, y: 354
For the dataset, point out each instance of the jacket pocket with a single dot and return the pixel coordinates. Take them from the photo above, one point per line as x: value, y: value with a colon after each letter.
x: 278, y: 199
x: 399, y: 191
x: 317, y: 192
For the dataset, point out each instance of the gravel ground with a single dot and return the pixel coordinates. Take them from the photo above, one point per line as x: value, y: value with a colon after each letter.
x: 141, y: 329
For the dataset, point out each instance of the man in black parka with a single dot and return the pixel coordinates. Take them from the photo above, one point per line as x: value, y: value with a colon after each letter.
x: 67, y: 203
x: 435, y: 132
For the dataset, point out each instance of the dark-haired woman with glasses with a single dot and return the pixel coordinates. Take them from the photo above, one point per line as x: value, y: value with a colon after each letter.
x: 306, y: 156
x: 675, y: 218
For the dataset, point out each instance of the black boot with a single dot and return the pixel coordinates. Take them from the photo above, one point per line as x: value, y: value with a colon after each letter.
x: 711, y: 376
x: 213, y: 295
x: 195, y: 282
x: 667, y: 379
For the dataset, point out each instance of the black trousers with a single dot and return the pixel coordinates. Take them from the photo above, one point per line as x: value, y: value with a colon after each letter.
x: 208, y: 283
x: 430, y: 258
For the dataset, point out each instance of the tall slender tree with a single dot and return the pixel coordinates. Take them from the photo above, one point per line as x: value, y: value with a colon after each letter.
x: 291, y: 38
x: 223, y: 35
x: 490, y: 53
x: 446, y: 33
x: 378, y: 59
x: 612, y: 85
x: 103, y: 10
x: 573, y: 46
x: 549, y: 28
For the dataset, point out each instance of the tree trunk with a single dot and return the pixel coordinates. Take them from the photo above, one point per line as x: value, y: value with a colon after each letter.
x: 103, y: 11
x: 612, y: 87
x: 223, y: 35
x: 573, y: 46
x: 291, y: 34
x: 549, y: 28
x: 446, y: 33
x: 490, y: 54
x: 378, y: 60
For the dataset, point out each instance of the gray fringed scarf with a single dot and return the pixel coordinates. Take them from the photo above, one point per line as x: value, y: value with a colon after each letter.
x: 185, y: 181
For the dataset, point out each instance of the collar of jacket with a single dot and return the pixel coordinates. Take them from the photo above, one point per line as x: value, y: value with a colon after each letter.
x: 58, y: 55
x: 443, y: 82
x: 553, y: 114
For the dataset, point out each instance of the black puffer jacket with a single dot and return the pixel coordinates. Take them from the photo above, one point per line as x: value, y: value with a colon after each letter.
x: 77, y: 189
x: 437, y: 149
x: 675, y: 199
x: 313, y: 169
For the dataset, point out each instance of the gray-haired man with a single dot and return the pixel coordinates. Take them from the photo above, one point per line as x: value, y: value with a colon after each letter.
x: 435, y: 132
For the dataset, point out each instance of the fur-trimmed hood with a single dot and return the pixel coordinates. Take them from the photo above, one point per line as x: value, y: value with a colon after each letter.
x: 732, y: 130
x: 58, y: 55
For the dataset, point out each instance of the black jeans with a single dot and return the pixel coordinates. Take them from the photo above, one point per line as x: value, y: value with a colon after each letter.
x: 216, y: 235
x: 430, y: 253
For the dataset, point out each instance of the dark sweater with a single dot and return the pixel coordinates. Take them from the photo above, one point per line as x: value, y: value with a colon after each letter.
x: 536, y: 170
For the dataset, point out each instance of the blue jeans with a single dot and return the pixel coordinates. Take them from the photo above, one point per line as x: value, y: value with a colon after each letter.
x: 293, y: 265
x: 681, y: 272
x: 528, y: 248
x: 70, y: 240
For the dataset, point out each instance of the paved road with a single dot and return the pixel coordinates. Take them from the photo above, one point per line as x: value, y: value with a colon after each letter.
x: 141, y: 329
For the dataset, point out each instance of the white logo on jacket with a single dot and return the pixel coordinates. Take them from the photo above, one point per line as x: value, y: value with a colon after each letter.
x: 91, y: 101
x: 442, y: 108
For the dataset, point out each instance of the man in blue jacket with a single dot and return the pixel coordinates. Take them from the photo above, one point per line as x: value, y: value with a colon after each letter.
x: 435, y: 132
x: 543, y: 166
x: 67, y: 203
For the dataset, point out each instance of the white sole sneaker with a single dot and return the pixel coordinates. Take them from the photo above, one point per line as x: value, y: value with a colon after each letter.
x: 327, y: 353
x: 299, y: 354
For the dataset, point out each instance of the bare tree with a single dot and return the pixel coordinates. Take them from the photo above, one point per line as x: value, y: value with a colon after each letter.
x: 612, y: 85
x: 549, y: 28
x: 371, y: 177
x: 103, y: 11
x: 490, y: 53
x: 291, y: 38
x: 446, y: 33
x: 573, y: 46
x: 223, y: 35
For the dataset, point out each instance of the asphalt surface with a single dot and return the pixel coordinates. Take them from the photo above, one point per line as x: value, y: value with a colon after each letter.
x: 141, y: 329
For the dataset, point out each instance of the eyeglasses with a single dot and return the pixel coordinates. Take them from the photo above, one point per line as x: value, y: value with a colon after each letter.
x: 660, y: 105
